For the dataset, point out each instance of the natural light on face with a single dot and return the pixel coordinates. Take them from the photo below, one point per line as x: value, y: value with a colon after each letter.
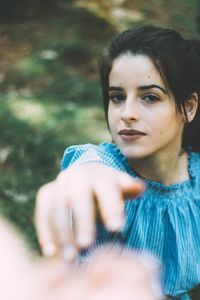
x: 142, y: 117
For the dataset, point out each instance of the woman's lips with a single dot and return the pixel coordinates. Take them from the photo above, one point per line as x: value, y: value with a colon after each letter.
x: 131, y: 134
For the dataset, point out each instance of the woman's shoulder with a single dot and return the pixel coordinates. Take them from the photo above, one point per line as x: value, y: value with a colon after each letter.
x: 106, y: 153
x: 194, y: 171
x: 78, y: 150
x: 196, y: 156
x: 195, y: 163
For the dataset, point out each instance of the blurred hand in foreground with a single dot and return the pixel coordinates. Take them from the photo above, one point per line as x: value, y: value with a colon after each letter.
x: 109, y: 277
x: 83, y: 191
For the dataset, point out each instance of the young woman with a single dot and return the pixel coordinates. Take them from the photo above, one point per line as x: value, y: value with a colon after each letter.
x: 150, y: 81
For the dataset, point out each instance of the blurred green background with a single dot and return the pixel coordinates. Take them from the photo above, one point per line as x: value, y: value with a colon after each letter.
x: 49, y: 90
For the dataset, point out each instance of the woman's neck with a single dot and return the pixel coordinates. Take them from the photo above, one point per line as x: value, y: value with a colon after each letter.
x: 170, y: 169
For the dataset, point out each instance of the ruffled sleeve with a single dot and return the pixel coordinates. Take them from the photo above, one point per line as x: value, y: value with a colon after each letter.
x: 105, y: 153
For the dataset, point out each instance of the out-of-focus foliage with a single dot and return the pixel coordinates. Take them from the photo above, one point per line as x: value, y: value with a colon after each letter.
x: 49, y: 91
x: 49, y: 99
x: 25, y: 9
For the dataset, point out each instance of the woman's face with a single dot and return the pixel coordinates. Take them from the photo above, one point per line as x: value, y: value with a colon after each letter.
x: 142, y: 116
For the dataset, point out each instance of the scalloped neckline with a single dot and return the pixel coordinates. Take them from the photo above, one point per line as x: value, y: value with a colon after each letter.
x: 156, y: 184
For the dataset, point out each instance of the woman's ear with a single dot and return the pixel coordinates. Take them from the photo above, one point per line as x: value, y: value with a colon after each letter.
x: 191, y: 106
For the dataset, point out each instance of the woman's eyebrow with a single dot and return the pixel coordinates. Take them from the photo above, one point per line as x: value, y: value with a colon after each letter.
x: 115, y: 88
x: 151, y: 86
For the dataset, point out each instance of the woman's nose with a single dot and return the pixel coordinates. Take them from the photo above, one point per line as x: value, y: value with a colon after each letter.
x: 130, y: 112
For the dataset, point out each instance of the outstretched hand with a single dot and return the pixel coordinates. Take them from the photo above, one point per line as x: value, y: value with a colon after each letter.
x: 82, y: 190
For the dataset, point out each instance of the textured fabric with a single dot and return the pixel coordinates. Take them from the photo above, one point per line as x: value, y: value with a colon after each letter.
x: 164, y: 221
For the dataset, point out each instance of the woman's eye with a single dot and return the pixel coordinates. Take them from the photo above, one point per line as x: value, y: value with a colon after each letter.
x: 150, y: 98
x: 117, y: 98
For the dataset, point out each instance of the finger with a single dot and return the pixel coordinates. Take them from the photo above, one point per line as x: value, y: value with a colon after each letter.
x: 62, y: 220
x: 130, y: 186
x: 110, y: 203
x: 63, y: 228
x: 42, y: 218
x: 82, y: 205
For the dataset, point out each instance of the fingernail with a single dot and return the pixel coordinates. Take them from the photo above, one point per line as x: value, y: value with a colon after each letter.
x: 49, y: 249
x: 116, y: 223
x: 69, y: 253
x: 84, y: 240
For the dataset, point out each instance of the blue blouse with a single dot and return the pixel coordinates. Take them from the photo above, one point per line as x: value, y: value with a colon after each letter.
x: 164, y: 220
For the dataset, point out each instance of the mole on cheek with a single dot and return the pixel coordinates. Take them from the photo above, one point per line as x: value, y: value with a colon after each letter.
x: 161, y: 132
